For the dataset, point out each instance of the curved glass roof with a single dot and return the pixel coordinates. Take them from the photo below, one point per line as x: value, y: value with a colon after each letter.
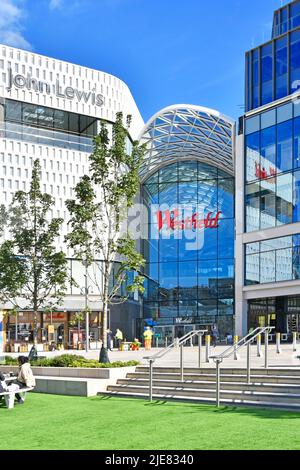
x: 185, y: 132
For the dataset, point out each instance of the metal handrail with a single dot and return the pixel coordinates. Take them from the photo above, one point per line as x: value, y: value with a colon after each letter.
x: 179, y: 342
x: 246, y: 341
x: 243, y: 342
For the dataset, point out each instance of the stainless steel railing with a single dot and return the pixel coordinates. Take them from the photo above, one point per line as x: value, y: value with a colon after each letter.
x: 246, y: 341
x: 179, y: 342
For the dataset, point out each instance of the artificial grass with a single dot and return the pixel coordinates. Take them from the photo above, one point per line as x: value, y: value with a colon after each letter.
x: 112, y: 423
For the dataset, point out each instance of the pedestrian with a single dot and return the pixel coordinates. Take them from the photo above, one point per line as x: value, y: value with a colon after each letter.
x: 214, y: 336
x: 110, y: 340
x: 25, y: 376
x: 148, y: 338
x: 119, y: 337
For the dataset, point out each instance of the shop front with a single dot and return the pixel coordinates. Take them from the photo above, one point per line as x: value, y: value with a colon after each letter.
x: 283, y: 313
x: 55, y: 330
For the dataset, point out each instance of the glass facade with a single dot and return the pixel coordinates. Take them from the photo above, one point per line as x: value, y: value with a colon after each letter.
x: 272, y: 153
x: 286, y: 18
x: 273, y: 260
x: 273, y: 69
x: 187, y: 279
x: 39, y: 124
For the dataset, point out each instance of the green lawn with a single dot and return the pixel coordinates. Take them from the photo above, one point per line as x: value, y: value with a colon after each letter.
x: 60, y: 422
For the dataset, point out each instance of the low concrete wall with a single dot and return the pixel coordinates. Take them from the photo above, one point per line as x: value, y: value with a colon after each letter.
x: 80, y: 372
x: 82, y: 382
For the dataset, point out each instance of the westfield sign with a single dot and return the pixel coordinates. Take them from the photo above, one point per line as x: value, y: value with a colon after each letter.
x: 172, y: 220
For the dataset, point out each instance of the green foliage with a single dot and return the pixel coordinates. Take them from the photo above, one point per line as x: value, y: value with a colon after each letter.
x: 70, y: 360
x: 100, y: 209
x: 31, y: 269
x: 11, y: 361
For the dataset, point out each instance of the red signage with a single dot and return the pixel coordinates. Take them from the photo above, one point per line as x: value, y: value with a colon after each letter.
x: 262, y: 173
x: 171, y: 220
x: 56, y: 316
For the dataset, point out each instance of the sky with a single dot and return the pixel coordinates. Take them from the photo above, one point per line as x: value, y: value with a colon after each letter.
x: 167, y: 51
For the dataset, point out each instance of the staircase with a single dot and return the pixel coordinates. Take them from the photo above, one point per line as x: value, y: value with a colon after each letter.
x: 274, y: 387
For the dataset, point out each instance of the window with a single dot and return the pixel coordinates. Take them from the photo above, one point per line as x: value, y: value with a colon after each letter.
x: 285, y: 146
x: 295, y: 61
x: 191, y: 271
x: 274, y: 260
x: 281, y: 67
x: 267, y: 73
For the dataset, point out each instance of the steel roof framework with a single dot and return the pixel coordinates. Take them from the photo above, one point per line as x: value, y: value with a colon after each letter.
x: 186, y: 132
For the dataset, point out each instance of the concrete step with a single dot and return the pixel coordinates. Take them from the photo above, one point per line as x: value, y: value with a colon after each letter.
x: 202, y: 394
x: 224, y: 377
x: 208, y: 385
x: 295, y: 372
x: 209, y: 400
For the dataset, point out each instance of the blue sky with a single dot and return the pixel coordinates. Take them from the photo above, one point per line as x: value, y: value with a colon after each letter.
x: 167, y: 51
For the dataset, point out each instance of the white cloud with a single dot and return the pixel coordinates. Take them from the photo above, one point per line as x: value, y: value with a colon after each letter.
x: 11, y: 16
x: 55, y: 4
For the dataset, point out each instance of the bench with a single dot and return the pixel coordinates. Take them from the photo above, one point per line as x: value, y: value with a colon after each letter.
x: 10, y: 396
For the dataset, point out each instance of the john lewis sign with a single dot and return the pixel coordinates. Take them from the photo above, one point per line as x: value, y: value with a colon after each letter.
x: 61, y: 91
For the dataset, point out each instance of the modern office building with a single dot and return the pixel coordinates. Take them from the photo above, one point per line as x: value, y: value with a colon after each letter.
x: 50, y: 109
x: 268, y: 182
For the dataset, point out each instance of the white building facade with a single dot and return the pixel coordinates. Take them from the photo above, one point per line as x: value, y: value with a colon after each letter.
x: 50, y: 110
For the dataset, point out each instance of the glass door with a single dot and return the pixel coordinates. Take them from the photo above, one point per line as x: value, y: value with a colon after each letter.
x: 163, y: 336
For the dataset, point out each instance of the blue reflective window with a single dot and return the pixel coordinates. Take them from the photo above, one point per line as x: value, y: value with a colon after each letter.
x: 226, y: 197
x: 226, y: 239
x: 267, y: 73
x: 295, y: 61
x: 281, y: 68
x: 295, y: 14
x: 252, y: 207
x: 255, y: 79
x: 226, y: 278
x: 207, y: 275
x: 168, y: 249
x: 268, y: 152
x: 268, y: 203
x: 284, y: 20
x: 297, y: 142
x: 285, y: 146
x: 296, y: 208
x: 168, y: 277
x: 185, y: 263
x: 284, y: 199
x: 252, y: 156
x: 188, y: 279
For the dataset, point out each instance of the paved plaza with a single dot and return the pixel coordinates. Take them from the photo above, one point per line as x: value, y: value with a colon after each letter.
x: 287, y: 358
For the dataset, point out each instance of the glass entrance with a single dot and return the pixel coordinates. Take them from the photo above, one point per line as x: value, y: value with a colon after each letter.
x: 163, y: 336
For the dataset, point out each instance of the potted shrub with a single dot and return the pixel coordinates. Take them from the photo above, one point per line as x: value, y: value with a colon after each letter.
x: 135, y: 345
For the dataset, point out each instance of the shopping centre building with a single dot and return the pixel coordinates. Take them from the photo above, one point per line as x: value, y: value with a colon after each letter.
x: 211, y: 258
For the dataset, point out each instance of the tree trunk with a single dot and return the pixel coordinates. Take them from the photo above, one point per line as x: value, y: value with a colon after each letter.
x: 35, y: 332
x: 103, y: 358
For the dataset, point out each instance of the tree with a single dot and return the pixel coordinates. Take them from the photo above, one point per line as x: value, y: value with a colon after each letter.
x: 98, y: 212
x: 33, y: 273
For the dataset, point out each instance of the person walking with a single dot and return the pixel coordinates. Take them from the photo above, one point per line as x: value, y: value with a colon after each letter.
x: 110, y: 340
x: 214, y: 336
x: 148, y: 338
x: 119, y: 337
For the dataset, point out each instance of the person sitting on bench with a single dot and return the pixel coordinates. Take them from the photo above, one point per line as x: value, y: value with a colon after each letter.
x: 25, y: 377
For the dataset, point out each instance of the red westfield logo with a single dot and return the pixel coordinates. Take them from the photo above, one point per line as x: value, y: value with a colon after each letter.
x: 171, y: 220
